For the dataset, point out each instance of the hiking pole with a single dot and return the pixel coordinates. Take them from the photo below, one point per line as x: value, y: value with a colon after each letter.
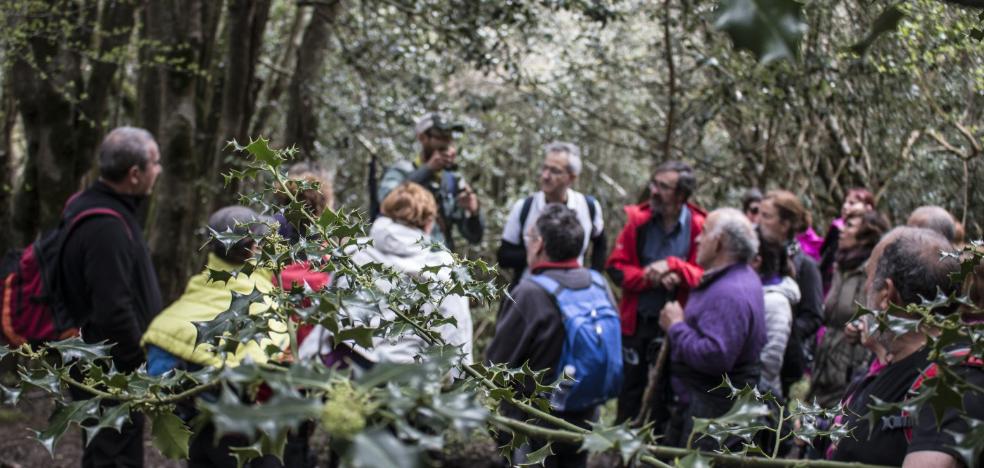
x: 655, y: 371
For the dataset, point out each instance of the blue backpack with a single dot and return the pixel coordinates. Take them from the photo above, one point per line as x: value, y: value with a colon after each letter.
x: 592, y: 353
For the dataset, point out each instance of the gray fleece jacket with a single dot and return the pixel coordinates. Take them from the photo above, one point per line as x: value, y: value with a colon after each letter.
x: 779, y: 301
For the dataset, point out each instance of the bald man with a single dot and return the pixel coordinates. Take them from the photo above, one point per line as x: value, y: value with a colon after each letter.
x: 934, y: 218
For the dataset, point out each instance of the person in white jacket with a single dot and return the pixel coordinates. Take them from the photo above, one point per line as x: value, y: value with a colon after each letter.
x: 400, y: 239
x: 781, y: 294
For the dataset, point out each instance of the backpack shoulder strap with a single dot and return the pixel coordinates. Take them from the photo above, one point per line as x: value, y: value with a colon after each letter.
x: 524, y: 213
x: 99, y: 212
x: 547, y: 283
x: 598, y: 280
x: 591, y: 209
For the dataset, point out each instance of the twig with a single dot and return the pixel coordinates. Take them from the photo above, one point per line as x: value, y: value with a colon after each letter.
x: 655, y: 373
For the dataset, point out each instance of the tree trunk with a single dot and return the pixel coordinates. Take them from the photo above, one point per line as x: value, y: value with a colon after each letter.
x: 169, y: 111
x: 62, y: 115
x: 245, y: 25
x: 8, y: 116
x: 302, y: 120
x: 275, y: 87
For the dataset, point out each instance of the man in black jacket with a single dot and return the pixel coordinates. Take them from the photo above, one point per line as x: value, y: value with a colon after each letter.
x: 531, y: 328
x: 107, y: 277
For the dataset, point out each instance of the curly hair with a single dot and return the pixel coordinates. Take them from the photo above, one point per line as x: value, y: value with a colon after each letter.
x: 410, y: 204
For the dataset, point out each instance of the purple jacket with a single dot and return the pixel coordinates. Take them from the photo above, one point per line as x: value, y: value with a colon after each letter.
x: 723, y: 329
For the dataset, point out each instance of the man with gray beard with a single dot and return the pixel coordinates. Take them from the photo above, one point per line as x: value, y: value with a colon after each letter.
x: 904, y: 268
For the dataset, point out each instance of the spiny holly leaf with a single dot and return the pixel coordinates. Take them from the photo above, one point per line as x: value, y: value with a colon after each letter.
x: 10, y: 395
x: 284, y: 411
x: 74, y: 348
x: 537, y: 457
x: 970, y: 444
x: 378, y: 447
x: 694, y: 460
x: 72, y: 413
x: 770, y: 29
x: 112, y: 417
x: 263, y: 446
x: 261, y: 151
x: 231, y: 320
x: 461, y: 409
x: 887, y: 21
x: 170, y: 435
x: 361, y: 335
x: 42, y: 380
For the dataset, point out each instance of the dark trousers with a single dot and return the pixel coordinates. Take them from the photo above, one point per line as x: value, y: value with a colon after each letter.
x: 703, y: 404
x: 639, y: 352
x: 116, y: 449
x: 109, y: 448
x: 793, y: 363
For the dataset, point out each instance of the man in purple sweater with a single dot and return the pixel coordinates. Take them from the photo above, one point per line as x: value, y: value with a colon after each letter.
x: 722, y: 330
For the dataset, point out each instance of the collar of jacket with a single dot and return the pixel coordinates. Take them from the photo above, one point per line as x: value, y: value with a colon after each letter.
x: 548, y: 265
x: 711, y: 276
x: 132, y: 202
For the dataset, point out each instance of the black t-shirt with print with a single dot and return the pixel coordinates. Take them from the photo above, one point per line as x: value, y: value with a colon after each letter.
x: 886, y: 444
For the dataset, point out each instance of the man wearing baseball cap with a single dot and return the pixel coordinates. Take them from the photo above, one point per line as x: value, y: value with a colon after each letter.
x: 435, y: 169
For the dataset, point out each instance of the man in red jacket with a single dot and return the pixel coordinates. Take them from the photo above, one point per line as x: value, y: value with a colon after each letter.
x: 654, y: 262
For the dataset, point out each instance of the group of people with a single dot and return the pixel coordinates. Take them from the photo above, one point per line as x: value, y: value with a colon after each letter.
x: 752, y: 294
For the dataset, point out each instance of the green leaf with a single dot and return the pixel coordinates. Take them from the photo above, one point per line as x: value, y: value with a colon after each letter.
x: 377, y: 448
x: 770, y: 29
x: 112, y: 417
x: 969, y: 444
x: 74, y: 348
x: 279, y: 414
x: 170, y: 435
x: 264, y: 446
x: 361, y: 335
x: 537, y: 457
x: 260, y: 149
x: 887, y: 21
x: 235, y: 319
x: 10, y: 395
x: 596, y: 442
x: 694, y: 460
x: 72, y: 413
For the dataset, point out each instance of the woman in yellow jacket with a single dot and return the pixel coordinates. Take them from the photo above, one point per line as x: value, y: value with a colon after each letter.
x: 170, y: 338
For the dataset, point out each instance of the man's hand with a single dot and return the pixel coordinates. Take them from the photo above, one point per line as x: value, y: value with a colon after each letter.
x: 441, y: 159
x: 467, y: 199
x: 671, y: 314
x: 655, y: 271
x: 670, y: 280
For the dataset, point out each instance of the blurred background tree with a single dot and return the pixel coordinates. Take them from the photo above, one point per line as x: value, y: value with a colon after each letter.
x: 886, y: 95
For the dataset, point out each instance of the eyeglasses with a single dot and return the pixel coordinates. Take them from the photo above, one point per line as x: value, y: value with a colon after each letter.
x: 658, y: 185
x: 552, y: 170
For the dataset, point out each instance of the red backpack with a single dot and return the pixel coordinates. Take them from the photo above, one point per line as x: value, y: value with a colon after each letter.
x: 32, y: 310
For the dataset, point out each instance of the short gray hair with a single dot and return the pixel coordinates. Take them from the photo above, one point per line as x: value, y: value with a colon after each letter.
x: 573, y: 154
x: 739, y: 236
x: 121, y: 149
x: 910, y: 257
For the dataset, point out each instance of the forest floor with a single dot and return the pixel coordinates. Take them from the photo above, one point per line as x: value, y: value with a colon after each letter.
x: 18, y: 448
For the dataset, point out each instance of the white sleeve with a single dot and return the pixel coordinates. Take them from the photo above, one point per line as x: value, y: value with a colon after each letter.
x: 598, y: 223
x: 512, y: 232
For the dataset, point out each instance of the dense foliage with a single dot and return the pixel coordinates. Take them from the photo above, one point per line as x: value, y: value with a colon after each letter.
x: 395, y: 413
